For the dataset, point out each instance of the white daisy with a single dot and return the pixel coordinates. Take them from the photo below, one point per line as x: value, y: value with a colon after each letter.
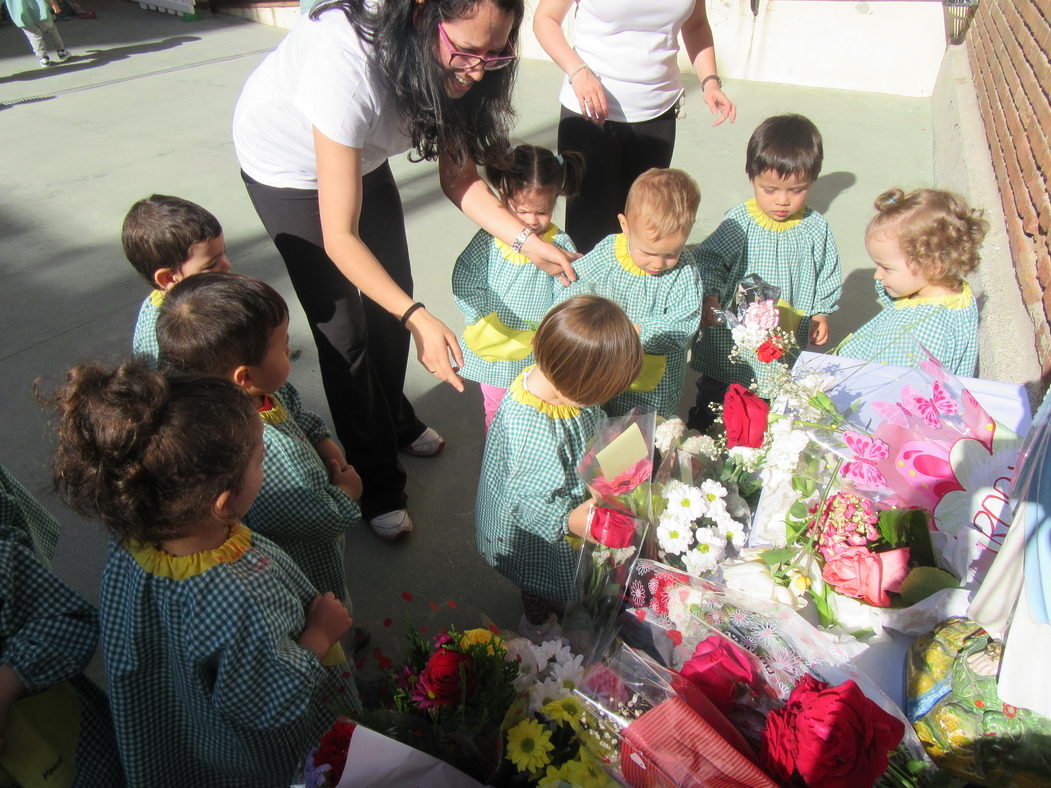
x: 552, y: 650
x: 711, y: 490
x: 569, y: 674
x: 697, y: 562
x: 543, y: 692
x: 732, y: 531
x: 684, y: 501
x: 674, y: 535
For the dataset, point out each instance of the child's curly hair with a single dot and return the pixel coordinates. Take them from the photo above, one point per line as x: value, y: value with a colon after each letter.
x: 938, y: 232
x: 146, y: 453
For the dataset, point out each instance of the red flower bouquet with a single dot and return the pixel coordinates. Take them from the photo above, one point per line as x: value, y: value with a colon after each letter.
x: 745, y: 416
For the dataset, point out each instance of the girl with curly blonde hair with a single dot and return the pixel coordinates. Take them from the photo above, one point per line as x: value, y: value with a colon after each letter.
x: 924, y: 244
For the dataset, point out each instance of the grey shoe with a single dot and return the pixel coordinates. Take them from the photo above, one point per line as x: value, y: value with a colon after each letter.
x: 427, y: 445
x: 62, y: 55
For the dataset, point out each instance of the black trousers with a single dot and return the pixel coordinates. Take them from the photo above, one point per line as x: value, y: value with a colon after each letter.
x: 362, y: 349
x: 616, y: 153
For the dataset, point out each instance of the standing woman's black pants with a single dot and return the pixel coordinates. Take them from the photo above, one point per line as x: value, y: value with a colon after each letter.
x: 617, y: 153
x: 362, y: 349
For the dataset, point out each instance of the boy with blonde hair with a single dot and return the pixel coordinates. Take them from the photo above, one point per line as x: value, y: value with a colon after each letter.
x: 642, y: 269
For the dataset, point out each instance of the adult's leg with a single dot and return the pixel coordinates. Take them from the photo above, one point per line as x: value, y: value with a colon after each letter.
x: 647, y: 144
x: 592, y: 214
x: 382, y: 228
x: 334, y: 309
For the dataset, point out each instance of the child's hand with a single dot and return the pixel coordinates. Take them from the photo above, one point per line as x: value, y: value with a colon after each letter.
x: 710, y: 305
x: 578, y: 518
x: 327, y: 621
x: 819, y: 329
x: 329, y: 450
x: 345, y: 478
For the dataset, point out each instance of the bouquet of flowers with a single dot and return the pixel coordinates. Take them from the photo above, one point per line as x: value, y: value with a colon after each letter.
x: 543, y: 740
x: 789, y: 690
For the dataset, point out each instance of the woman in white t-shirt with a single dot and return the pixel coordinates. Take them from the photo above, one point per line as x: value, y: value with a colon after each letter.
x: 621, y: 92
x: 353, y: 83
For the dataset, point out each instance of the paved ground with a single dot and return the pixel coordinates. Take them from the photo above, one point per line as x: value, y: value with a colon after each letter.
x: 145, y: 105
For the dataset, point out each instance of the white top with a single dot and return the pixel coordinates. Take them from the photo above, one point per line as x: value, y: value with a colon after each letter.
x: 319, y: 75
x: 632, y: 47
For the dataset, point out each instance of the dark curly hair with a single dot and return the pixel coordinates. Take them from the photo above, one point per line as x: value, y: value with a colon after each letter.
x: 146, y: 453
x: 402, y: 35
x: 533, y: 167
x: 939, y: 234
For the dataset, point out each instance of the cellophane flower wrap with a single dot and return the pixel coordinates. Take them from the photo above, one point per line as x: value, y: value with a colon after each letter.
x: 617, y: 468
x: 652, y: 727
x: 760, y: 663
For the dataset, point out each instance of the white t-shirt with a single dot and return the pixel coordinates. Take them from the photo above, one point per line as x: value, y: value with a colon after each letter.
x: 632, y: 47
x: 319, y: 75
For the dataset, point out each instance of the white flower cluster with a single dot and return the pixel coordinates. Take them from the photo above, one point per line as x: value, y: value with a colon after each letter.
x: 547, y: 672
x: 782, y: 458
x: 696, y: 525
x: 668, y: 434
x: 701, y: 446
x: 749, y: 337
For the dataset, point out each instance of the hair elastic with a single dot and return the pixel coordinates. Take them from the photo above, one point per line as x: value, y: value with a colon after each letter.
x: 408, y: 313
x: 560, y: 160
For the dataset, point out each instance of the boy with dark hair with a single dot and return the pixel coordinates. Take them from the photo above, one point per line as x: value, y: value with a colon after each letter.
x: 167, y: 239
x: 776, y: 236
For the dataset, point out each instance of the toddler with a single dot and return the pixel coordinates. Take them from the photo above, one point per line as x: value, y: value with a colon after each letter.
x: 167, y: 239
x: 55, y: 724
x: 776, y: 236
x: 236, y: 327
x: 643, y: 270
x: 923, y: 244
x: 34, y: 17
x: 222, y: 661
x: 500, y: 292
x: 529, y: 496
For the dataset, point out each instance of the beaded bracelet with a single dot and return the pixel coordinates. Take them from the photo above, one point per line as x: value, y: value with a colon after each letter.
x: 516, y: 247
x: 576, y: 71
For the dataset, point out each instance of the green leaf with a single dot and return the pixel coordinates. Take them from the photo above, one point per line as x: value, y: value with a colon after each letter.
x: 826, y: 617
x: 922, y: 582
x: 774, y: 557
x: 908, y: 527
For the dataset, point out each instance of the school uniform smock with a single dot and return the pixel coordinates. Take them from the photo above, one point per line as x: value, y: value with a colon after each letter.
x: 48, y: 634
x: 667, y: 308
x: 206, y: 681
x: 28, y: 13
x: 144, y: 340
x: 297, y: 506
x: 528, y: 487
x: 798, y: 255
x: 945, y: 325
x: 503, y: 297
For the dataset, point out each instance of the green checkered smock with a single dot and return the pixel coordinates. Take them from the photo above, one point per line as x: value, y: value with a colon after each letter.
x: 666, y: 306
x: 527, y: 489
x: 48, y: 634
x: 297, y: 506
x: 144, y: 341
x: 207, y: 683
x: 798, y: 255
x: 946, y: 325
x: 489, y: 278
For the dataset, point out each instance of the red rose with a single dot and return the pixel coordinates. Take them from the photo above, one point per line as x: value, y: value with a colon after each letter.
x: 612, y: 529
x: 717, y: 668
x: 440, y: 682
x: 332, y: 749
x: 769, y: 351
x: 778, y: 744
x: 745, y: 416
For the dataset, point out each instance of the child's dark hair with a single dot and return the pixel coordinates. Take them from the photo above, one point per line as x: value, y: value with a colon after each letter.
x: 146, y: 453
x: 533, y: 167
x: 787, y: 144
x: 938, y: 232
x: 159, y: 232
x: 588, y: 348
x: 216, y: 322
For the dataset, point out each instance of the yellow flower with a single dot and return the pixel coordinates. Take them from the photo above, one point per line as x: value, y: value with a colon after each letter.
x: 565, y: 709
x: 587, y: 772
x: 555, y: 777
x: 479, y: 636
x: 528, y: 745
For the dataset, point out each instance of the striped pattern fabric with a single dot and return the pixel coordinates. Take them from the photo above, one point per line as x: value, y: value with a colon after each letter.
x: 798, y: 255
x: 207, y: 683
x: 947, y: 326
x: 488, y: 277
x: 144, y: 341
x: 297, y: 506
x: 666, y: 306
x: 528, y: 487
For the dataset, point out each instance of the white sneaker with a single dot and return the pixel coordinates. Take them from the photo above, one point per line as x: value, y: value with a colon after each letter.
x: 391, y: 525
x: 539, y: 633
x: 427, y: 445
x: 44, y: 61
x: 62, y: 55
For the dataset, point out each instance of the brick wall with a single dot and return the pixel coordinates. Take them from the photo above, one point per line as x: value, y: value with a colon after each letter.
x: 1009, y: 42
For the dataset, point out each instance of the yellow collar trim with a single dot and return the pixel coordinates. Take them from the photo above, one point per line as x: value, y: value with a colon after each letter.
x: 157, y: 297
x: 517, y: 257
x: 183, y: 567
x: 960, y: 300
x: 519, y: 392
x: 276, y: 414
x: 620, y: 249
x: 767, y: 223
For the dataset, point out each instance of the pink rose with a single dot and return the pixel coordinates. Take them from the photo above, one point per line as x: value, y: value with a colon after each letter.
x: 860, y: 573
x: 717, y: 668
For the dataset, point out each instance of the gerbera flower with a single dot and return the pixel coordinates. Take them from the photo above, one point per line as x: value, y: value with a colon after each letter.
x: 529, y: 745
